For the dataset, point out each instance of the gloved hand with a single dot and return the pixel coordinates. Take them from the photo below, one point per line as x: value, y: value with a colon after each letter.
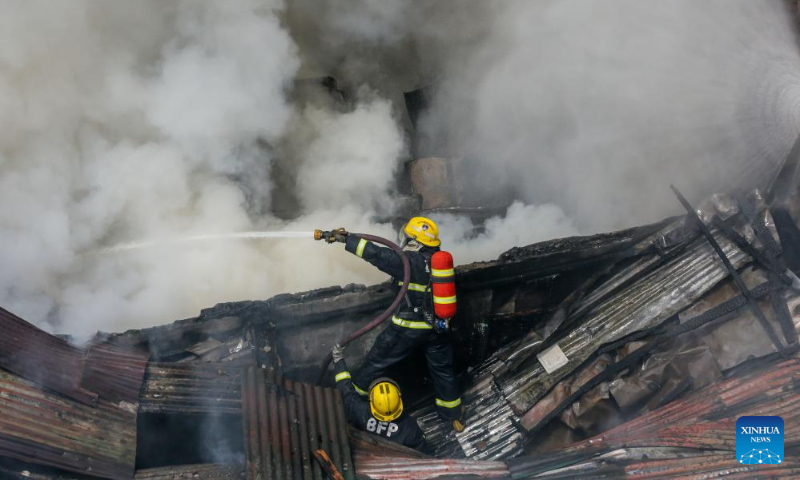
x: 441, y: 326
x: 337, y: 235
x: 337, y: 353
x: 340, y: 235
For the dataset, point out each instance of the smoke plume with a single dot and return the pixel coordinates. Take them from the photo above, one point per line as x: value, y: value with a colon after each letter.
x: 599, y: 107
x: 149, y: 121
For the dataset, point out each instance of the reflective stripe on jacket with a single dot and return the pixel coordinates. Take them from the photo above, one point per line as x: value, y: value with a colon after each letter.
x: 419, y: 298
x: 403, y: 430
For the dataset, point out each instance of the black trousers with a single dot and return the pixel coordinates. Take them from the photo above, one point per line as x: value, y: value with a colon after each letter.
x: 395, y: 344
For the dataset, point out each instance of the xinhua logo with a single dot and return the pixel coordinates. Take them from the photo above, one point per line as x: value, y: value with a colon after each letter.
x: 759, y: 440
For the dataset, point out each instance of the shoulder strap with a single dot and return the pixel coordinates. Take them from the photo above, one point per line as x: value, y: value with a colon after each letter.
x: 428, y: 305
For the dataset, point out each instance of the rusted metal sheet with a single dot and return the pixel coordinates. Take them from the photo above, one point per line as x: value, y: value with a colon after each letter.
x: 391, y: 468
x: 114, y: 373
x: 42, y: 358
x: 707, y: 418
x: 48, y: 429
x: 104, y: 371
x: 191, y: 388
x: 703, y: 421
x: 185, y: 472
x: 285, y: 422
x: 695, y: 467
x: 367, y: 444
x: 659, y: 462
x: 710, y: 466
x: 66, y: 408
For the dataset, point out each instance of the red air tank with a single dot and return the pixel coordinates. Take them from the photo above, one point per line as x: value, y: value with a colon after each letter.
x: 443, y: 281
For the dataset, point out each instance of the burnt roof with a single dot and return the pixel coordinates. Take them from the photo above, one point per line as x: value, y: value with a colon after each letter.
x: 67, y: 407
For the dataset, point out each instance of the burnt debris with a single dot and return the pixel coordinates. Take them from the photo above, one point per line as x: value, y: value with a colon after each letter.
x: 623, y: 354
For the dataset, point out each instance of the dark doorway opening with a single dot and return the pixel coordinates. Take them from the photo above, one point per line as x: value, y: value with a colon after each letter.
x: 183, y: 439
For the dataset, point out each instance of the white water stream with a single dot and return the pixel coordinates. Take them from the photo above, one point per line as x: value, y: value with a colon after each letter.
x: 204, y: 238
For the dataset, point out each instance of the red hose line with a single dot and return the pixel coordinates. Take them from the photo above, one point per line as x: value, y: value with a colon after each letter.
x: 386, y: 313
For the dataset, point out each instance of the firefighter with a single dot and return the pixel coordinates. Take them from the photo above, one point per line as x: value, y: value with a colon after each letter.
x: 383, y: 414
x: 414, y: 323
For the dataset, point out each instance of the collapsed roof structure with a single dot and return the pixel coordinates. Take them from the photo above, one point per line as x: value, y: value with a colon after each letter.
x: 630, y: 353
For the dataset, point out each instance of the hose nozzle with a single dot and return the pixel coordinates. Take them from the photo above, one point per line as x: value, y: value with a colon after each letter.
x: 330, y: 236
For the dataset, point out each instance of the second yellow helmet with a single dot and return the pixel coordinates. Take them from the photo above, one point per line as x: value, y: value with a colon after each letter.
x: 384, y: 400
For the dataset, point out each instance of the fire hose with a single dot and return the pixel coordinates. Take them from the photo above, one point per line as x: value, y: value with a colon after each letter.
x: 329, y: 236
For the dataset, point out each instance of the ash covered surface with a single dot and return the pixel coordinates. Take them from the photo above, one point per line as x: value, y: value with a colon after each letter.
x: 585, y: 245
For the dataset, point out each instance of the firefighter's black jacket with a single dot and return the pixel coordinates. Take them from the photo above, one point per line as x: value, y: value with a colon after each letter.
x: 388, y: 261
x: 403, y: 430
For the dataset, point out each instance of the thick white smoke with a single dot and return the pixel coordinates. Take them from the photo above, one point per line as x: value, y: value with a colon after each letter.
x: 594, y: 106
x: 148, y: 120
x: 599, y: 106
x: 520, y: 225
x: 345, y: 164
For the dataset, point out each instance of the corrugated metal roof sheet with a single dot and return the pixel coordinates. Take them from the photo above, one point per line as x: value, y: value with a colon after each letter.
x: 42, y: 358
x: 65, y: 408
x: 285, y: 422
x: 709, y: 466
x: 390, y: 468
x: 697, y: 467
x: 183, y: 472
x: 192, y: 388
x: 114, y: 373
x: 369, y: 444
x: 378, y: 458
x: 49, y: 429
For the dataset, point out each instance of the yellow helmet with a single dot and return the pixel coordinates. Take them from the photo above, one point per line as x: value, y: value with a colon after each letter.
x: 423, y: 230
x: 384, y: 400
